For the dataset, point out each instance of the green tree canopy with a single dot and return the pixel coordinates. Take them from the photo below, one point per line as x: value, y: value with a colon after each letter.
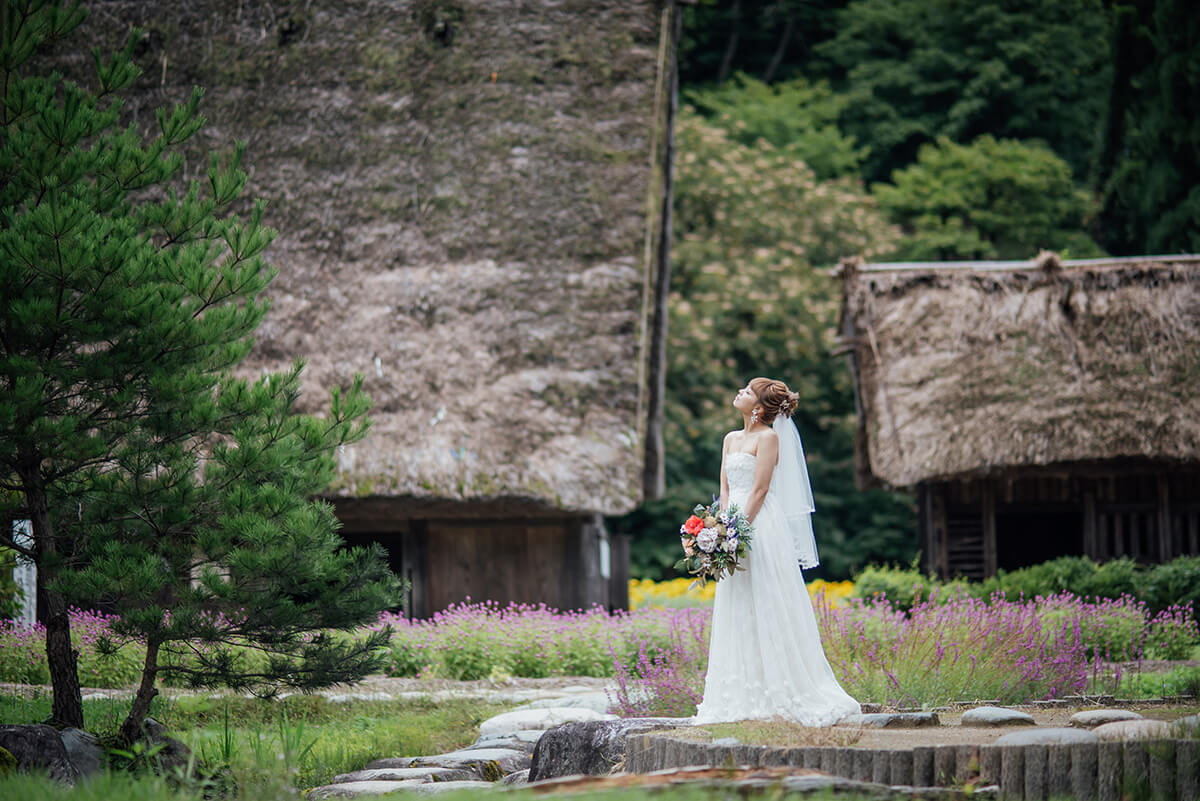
x: 916, y: 70
x: 991, y: 199
x: 155, y: 481
x: 1149, y: 167
x: 797, y: 117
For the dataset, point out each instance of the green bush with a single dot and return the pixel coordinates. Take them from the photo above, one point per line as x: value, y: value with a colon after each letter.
x: 121, y: 668
x: 1175, y: 582
x: 900, y: 586
x: 405, y: 659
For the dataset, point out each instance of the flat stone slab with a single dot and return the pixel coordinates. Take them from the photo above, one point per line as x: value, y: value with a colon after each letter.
x: 1048, y: 736
x: 434, y: 788
x: 892, y: 720
x: 595, y: 701
x: 530, y: 736
x: 996, y: 716
x: 548, y: 718
x: 488, y: 764
x: 1135, y: 730
x: 428, y: 774
x: 1091, y: 718
x: 355, y: 789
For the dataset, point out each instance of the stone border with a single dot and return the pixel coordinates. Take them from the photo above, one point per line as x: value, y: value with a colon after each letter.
x: 1169, y: 769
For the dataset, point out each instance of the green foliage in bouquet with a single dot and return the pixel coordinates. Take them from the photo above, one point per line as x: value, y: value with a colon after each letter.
x: 715, y: 542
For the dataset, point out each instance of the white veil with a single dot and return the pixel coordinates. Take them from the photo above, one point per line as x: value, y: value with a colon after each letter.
x: 794, y: 492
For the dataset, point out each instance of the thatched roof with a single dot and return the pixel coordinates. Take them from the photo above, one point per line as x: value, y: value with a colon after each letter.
x: 973, y: 368
x: 462, y: 190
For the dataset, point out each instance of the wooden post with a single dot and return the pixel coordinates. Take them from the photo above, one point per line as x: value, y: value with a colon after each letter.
x: 1164, y: 520
x: 1119, y: 547
x: 1091, y: 538
x: 1193, y: 533
x: 988, y: 492
x: 941, y: 557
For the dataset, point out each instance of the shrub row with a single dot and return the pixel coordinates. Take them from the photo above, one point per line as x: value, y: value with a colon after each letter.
x: 1159, y: 587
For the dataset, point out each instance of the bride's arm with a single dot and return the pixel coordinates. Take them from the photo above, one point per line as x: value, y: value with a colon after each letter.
x: 724, y: 478
x: 764, y: 466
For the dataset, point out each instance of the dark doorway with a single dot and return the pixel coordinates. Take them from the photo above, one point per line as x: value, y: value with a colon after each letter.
x: 1034, y: 535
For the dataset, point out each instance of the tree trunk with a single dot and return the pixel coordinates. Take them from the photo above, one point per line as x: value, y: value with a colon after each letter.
x: 131, y: 727
x: 61, y: 656
x: 732, y: 44
x: 653, y: 467
x: 777, y: 57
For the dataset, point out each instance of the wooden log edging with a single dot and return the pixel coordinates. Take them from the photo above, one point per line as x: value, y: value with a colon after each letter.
x: 1168, y: 770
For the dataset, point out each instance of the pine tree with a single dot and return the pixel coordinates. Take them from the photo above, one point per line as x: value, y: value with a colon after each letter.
x: 155, y: 481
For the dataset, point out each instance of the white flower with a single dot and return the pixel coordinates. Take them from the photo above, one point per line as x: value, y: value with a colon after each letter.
x: 707, y: 539
x: 730, y: 545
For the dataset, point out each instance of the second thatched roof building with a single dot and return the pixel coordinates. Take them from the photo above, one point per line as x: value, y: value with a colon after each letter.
x: 1037, y: 408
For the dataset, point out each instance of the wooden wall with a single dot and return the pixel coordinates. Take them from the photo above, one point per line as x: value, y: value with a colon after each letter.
x: 564, y: 562
x: 973, y: 526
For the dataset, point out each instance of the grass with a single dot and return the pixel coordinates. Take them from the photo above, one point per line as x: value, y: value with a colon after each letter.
x: 1179, y: 681
x: 268, y: 748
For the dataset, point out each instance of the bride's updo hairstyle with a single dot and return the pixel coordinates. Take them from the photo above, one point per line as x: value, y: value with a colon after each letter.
x: 775, y: 397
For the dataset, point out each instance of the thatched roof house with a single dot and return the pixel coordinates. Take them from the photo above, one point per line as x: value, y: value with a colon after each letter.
x: 468, y: 198
x: 1011, y: 392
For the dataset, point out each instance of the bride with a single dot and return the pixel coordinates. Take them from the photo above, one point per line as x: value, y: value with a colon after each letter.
x: 765, y: 658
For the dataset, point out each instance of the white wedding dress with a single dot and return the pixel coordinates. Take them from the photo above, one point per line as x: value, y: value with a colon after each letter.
x: 764, y: 657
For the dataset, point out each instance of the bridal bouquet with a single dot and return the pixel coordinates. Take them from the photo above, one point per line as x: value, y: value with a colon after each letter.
x: 714, y: 542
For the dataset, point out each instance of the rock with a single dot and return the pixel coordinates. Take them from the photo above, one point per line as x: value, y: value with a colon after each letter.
x: 404, y: 774
x: 1189, y: 726
x: 353, y: 789
x: 528, y: 736
x: 589, y: 747
x: 84, y: 751
x: 1091, y: 718
x: 446, y: 787
x: 547, y: 718
x: 892, y: 720
x: 1047, y: 736
x: 174, y: 755
x: 510, y: 743
x: 727, y: 741
x: 597, y: 702
x: 38, y: 747
x: 488, y: 764
x: 520, y: 777
x: 996, y: 716
x: 1134, y: 730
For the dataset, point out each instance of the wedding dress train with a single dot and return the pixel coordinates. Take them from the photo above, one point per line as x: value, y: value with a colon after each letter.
x: 765, y: 658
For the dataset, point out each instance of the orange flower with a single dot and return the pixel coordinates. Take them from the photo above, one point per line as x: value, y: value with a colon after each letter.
x: 693, y: 525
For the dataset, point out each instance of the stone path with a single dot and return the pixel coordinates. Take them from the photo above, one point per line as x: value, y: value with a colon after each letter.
x: 886, y: 758
x: 502, y: 754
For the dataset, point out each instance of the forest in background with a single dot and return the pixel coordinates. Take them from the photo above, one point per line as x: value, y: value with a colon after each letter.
x: 894, y: 130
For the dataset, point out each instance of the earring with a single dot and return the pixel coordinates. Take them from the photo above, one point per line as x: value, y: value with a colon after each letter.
x: 754, y: 417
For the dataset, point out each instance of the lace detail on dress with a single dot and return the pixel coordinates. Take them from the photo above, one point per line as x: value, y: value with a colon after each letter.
x: 739, y: 469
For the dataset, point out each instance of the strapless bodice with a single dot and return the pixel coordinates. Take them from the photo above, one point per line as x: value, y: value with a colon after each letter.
x: 739, y: 470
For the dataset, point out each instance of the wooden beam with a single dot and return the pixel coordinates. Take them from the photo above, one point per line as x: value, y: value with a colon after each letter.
x: 1193, y: 529
x: 988, y: 492
x: 1164, y: 520
x: 1091, y: 537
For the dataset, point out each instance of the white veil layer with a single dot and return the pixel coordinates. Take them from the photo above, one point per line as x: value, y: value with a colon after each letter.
x: 794, y: 492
